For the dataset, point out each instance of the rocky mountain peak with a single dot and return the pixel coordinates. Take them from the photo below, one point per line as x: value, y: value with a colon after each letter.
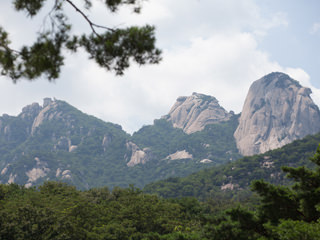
x: 30, y: 112
x: 48, y: 112
x: 277, y: 111
x: 193, y: 113
x: 47, y: 101
x: 279, y: 80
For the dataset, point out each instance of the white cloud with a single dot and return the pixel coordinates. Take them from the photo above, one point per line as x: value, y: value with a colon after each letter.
x: 304, y: 79
x: 223, y: 66
x: 210, y: 46
x: 315, y: 28
x: 278, y: 19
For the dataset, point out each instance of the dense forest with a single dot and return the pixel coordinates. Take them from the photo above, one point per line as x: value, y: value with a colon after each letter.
x: 58, y: 211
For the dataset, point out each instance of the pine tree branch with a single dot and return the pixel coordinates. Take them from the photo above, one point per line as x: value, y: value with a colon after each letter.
x: 6, y: 47
x: 92, y: 25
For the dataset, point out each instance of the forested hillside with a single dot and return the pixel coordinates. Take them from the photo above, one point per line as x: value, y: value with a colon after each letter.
x: 59, y: 211
x: 58, y: 142
x: 215, y: 143
x: 233, y: 179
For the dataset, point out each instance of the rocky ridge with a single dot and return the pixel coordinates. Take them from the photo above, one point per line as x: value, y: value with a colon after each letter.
x: 277, y: 111
x: 40, y: 143
x: 56, y: 141
x: 193, y: 113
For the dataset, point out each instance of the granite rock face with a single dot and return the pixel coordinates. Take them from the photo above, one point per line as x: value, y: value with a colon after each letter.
x: 277, y: 111
x: 138, y: 156
x: 193, y: 113
x: 179, y: 155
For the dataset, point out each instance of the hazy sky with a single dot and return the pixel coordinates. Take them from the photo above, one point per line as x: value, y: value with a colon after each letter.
x: 215, y: 47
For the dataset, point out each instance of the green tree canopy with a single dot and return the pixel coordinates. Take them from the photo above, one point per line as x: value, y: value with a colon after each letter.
x: 283, y: 212
x: 111, y: 48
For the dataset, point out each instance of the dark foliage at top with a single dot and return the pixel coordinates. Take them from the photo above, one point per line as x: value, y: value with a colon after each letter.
x: 112, y: 48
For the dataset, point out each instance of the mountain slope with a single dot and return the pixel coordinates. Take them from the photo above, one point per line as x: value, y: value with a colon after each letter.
x: 58, y: 142
x: 215, y: 142
x: 235, y: 177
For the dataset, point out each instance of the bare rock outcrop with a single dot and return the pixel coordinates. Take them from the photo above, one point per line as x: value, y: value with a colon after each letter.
x: 193, y: 113
x: 107, y: 139
x: 138, y: 156
x: 30, y: 112
x: 48, y: 112
x: 277, y: 111
x: 179, y: 155
x: 39, y: 170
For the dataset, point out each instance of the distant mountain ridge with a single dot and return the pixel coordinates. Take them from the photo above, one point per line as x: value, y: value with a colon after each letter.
x: 277, y: 111
x: 56, y: 141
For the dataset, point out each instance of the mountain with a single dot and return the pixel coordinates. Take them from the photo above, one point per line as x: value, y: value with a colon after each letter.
x: 193, y: 113
x: 195, y: 128
x: 56, y: 141
x: 277, y: 111
x: 233, y: 180
x: 213, y: 145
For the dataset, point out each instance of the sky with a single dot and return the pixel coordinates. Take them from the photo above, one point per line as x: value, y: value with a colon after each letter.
x: 214, y: 47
